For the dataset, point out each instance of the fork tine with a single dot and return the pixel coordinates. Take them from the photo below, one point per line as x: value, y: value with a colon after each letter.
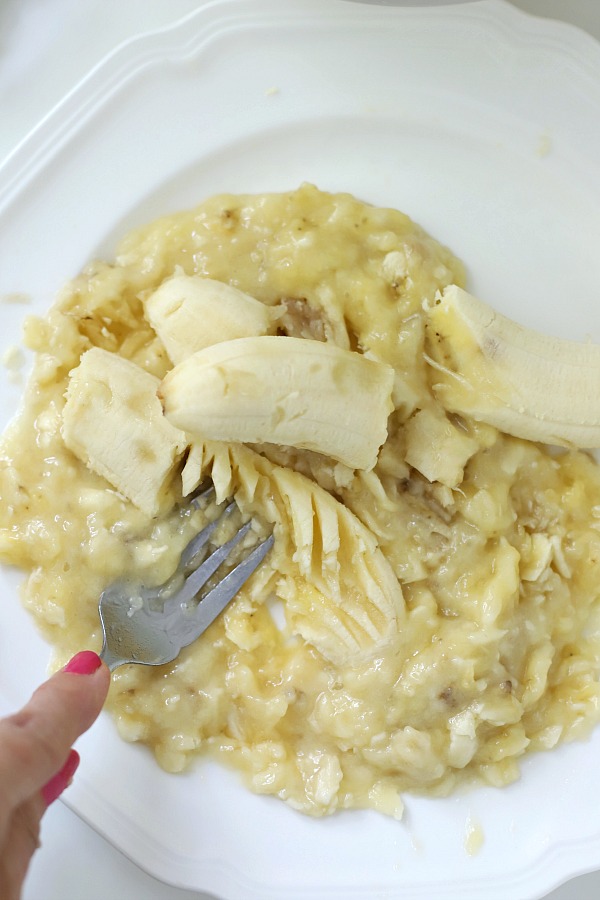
x: 217, y: 599
x: 200, y: 540
x: 203, y: 492
x: 200, y: 576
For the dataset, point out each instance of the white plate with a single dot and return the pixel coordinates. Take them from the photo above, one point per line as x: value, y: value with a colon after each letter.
x: 483, y: 125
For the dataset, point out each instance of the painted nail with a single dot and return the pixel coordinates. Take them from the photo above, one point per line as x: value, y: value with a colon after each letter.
x: 54, y: 788
x: 83, y: 663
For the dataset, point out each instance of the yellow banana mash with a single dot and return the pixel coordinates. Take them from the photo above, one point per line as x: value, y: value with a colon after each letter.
x: 420, y: 623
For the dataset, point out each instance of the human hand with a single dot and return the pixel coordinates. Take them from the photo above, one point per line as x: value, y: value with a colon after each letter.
x: 36, y: 759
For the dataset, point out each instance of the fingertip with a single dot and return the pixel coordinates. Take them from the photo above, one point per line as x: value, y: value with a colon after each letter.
x: 86, y: 662
x: 70, y: 701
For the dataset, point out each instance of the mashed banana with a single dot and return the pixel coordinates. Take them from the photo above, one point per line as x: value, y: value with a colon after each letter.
x: 440, y: 610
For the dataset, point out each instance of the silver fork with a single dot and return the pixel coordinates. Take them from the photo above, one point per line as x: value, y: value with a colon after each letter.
x: 151, y: 625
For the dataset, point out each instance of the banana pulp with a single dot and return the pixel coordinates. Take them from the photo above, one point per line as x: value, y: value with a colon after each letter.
x: 440, y: 593
x: 521, y: 381
x: 189, y: 313
x: 112, y: 421
x: 284, y: 390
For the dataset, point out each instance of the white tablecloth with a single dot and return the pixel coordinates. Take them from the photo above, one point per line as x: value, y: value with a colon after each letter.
x: 46, y: 46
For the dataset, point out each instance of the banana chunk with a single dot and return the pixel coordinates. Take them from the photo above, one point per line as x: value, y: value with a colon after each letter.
x: 436, y: 448
x: 189, y: 313
x: 284, y: 390
x: 113, y: 422
x: 340, y: 592
x: 522, y: 382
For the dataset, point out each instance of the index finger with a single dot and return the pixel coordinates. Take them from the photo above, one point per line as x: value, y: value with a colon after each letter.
x: 35, y: 742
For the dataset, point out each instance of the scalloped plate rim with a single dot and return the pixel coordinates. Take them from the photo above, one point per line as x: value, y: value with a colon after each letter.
x: 112, y: 74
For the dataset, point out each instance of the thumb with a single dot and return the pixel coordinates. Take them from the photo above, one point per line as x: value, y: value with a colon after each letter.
x: 36, y: 741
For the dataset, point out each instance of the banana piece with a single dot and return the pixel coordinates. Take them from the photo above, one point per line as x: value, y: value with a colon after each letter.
x: 113, y: 422
x: 340, y: 592
x: 284, y: 390
x: 189, y: 312
x: 522, y: 382
x: 436, y: 448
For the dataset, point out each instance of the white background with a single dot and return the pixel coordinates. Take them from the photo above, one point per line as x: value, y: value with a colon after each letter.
x: 46, y: 46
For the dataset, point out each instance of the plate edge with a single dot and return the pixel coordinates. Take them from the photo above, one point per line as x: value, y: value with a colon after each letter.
x: 117, y: 67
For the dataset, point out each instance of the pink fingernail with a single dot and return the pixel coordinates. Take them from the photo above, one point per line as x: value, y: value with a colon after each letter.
x: 54, y: 788
x: 83, y: 663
